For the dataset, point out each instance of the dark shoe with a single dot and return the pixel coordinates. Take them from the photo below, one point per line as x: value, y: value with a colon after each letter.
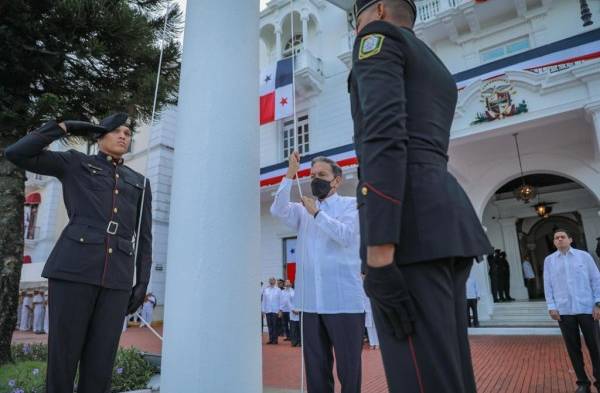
x: 583, y: 389
x: 510, y: 299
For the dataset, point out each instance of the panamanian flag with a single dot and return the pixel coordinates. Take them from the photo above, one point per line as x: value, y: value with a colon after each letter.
x: 276, y: 91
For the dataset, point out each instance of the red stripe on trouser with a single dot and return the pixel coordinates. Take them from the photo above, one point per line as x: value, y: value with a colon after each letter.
x: 417, y: 370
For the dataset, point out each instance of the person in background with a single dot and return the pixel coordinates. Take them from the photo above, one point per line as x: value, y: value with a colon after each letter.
x: 148, y: 309
x: 473, y: 295
x: 504, y: 278
x: 271, y: 301
x: 286, y: 307
x: 572, y: 290
x: 26, y: 312
x: 38, y: 312
x: 529, y: 277
x: 20, y: 308
x: 493, y: 260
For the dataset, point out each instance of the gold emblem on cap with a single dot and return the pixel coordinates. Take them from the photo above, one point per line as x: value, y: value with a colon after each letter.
x: 364, y: 191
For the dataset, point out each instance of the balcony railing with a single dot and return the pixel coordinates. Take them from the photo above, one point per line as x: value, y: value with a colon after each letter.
x: 309, y: 73
x: 429, y: 9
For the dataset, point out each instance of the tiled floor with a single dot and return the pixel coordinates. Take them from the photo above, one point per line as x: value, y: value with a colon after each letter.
x: 503, y: 364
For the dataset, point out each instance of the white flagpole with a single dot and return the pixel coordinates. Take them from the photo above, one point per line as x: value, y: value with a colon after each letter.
x: 299, y: 188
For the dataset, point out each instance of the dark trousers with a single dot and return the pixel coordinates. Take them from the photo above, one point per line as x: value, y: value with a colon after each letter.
x: 285, y: 324
x: 570, y: 325
x: 272, y: 326
x: 504, y: 285
x: 530, y: 285
x: 295, y: 333
x: 324, y: 334
x: 494, y: 286
x: 472, y: 318
x: 85, y: 324
x: 437, y: 358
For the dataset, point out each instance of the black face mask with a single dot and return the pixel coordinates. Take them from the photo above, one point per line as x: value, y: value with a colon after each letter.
x: 320, y: 188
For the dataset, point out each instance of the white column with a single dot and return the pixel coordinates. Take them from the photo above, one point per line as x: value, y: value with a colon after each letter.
x: 212, y: 330
x: 591, y: 228
x: 304, y: 31
x: 278, y: 48
x: 593, y: 114
x: 511, y: 247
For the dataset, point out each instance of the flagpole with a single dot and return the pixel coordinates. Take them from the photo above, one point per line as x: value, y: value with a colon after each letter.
x: 299, y: 186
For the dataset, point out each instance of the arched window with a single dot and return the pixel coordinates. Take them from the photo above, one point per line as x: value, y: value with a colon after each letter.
x: 298, y: 45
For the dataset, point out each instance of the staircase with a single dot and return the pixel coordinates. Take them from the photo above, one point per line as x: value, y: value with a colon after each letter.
x: 520, y: 314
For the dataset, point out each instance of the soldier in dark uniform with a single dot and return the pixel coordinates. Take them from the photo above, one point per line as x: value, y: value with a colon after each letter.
x: 504, y: 277
x: 419, y: 232
x: 493, y: 272
x: 91, y: 268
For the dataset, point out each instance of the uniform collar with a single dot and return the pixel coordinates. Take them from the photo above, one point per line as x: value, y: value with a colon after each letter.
x: 110, y: 159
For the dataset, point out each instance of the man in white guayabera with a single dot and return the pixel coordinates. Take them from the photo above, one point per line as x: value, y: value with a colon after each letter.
x: 572, y: 289
x: 328, y: 284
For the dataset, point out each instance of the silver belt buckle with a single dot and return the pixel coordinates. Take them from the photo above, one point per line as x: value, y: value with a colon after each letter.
x: 112, y: 228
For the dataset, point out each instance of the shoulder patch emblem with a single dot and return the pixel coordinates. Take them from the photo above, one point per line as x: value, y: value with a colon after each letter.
x: 370, y: 45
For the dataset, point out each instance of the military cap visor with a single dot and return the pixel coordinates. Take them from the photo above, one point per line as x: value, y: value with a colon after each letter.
x: 361, y: 5
x: 114, y: 121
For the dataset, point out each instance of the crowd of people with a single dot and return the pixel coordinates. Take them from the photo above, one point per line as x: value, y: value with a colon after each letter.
x: 283, y: 318
x: 32, y: 312
x: 499, y: 271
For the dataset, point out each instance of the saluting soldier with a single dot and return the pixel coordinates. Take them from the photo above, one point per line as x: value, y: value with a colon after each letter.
x: 419, y: 231
x: 91, y: 267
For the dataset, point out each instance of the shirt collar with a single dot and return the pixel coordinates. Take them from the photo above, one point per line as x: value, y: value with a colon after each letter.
x: 569, y: 252
x: 329, y: 200
x: 110, y: 159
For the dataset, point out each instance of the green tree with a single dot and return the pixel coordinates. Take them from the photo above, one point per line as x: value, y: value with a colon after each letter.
x: 72, y: 59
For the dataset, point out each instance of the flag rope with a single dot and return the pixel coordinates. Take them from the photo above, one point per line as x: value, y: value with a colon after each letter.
x: 147, y: 150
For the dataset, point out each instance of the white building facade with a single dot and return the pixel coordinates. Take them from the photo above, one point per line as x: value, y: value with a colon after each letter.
x: 526, y: 67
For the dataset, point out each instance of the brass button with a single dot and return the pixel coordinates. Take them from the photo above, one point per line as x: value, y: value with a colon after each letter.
x: 109, y: 158
x: 115, y: 210
x: 81, y: 240
x: 116, y: 191
x: 117, y: 175
x: 110, y: 250
x: 94, y: 172
x: 365, y: 191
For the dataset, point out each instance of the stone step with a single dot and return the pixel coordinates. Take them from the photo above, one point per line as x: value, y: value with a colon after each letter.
x: 504, y: 322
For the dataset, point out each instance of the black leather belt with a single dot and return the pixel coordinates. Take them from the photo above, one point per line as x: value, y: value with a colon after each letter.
x: 111, y: 227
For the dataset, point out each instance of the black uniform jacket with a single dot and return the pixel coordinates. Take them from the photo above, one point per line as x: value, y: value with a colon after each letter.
x: 103, y: 200
x: 402, y: 101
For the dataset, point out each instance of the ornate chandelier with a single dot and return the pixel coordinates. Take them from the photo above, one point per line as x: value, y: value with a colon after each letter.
x: 524, y: 192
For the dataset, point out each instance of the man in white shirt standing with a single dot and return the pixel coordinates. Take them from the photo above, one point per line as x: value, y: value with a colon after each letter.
x: 287, y: 295
x: 38, y: 312
x: 472, y: 297
x: 572, y: 288
x: 26, y: 311
x: 529, y: 277
x: 271, y: 303
x: 328, y: 285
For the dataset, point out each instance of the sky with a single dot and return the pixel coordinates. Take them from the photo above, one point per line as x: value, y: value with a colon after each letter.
x: 263, y: 4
